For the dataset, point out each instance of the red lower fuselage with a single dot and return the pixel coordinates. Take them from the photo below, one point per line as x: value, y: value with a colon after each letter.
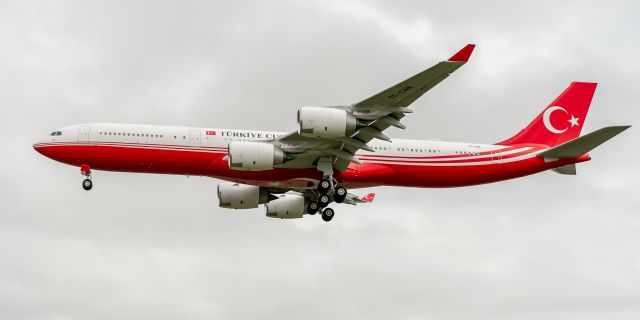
x: 392, y: 166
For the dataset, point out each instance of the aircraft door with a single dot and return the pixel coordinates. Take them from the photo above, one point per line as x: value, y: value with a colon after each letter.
x: 83, y: 133
x: 194, y: 138
x: 496, y: 154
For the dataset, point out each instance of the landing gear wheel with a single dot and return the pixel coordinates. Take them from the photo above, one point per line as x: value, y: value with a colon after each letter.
x: 324, y: 186
x: 87, y: 184
x: 312, y: 208
x: 324, y: 200
x: 340, y: 194
x: 327, y: 214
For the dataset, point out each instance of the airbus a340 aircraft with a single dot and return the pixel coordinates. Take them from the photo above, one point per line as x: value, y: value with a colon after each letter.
x: 335, y: 149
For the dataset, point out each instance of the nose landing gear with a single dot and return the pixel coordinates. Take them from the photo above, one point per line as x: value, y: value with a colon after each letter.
x: 85, y: 170
x: 87, y: 184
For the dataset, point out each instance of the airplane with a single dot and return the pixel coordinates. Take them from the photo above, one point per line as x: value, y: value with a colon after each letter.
x: 335, y: 149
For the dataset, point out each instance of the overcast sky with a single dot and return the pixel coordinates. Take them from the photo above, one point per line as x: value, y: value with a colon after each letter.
x: 158, y: 247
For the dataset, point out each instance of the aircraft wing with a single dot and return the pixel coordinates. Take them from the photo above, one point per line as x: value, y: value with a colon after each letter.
x: 406, y: 92
x: 374, y: 115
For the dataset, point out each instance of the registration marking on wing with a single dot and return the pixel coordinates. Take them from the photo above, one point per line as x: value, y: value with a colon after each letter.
x: 399, y: 92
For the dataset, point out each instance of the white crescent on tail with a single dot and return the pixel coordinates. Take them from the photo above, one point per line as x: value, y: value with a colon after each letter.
x: 546, y: 119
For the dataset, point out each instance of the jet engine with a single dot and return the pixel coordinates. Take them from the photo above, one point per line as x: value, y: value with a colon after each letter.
x: 289, y: 206
x: 325, y: 122
x: 254, y: 156
x: 241, y: 196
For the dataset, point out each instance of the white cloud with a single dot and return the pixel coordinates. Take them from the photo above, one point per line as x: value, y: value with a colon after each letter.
x: 414, y: 36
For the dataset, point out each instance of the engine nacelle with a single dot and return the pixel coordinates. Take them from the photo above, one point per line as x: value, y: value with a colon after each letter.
x: 325, y: 122
x: 241, y: 196
x: 254, y: 156
x: 289, y: 206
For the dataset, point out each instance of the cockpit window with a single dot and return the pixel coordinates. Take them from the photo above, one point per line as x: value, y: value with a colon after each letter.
x: 53, y: 133
x: 56, y: 133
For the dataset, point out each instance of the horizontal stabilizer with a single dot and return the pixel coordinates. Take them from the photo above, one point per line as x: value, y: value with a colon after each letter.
x: 355, y: 199
x: 368, y: 198
x: 582, y: 145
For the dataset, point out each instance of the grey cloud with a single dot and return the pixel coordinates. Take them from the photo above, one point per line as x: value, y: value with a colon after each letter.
x: 142, y: 246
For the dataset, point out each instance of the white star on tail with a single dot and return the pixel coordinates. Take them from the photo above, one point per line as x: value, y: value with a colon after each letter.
x: 574, y: 121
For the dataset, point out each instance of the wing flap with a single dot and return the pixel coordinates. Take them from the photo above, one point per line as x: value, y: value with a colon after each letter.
x: 569, y: 169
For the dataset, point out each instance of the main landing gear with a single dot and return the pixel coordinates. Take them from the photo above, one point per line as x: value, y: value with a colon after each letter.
x: 324, y: 200
x: 85, y: 170
x: 328, y: 191
x: 327, y: 214
x: 312, y: 208
x: 340, y: 194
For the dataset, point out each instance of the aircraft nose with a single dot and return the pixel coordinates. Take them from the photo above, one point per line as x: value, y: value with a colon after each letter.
x: 41, y: 144
x: 37, y: 146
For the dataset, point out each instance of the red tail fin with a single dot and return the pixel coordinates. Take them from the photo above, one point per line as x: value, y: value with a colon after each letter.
x: 562, y: 120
